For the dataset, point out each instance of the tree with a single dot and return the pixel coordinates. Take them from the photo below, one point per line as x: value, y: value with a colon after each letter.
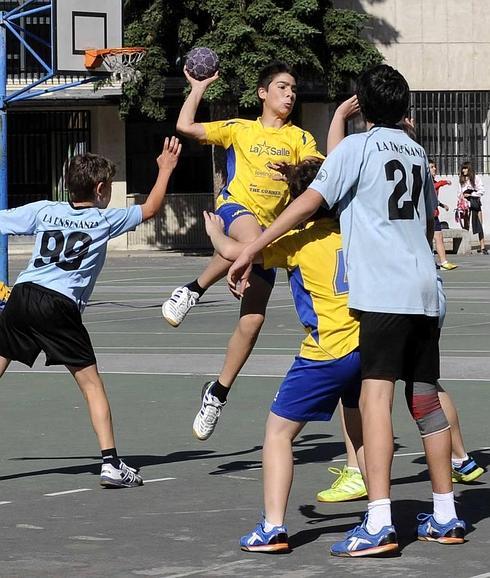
x: 324, y: 43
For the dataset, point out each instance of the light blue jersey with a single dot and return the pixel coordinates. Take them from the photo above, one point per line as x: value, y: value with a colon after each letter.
x: 385, y: 192
x: 70, y: 245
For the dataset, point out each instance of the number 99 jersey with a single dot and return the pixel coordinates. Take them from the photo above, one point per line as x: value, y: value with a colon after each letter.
x: 386, y: 196
x: 70, y: 245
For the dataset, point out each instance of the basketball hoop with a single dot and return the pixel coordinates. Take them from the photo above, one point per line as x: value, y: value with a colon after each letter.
x: 120, y: 62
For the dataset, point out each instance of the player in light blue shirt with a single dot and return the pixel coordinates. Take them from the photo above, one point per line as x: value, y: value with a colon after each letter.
x: 382, y: 183
x: 386, y: 198
x: 70, y: 244
x: 43, y: 312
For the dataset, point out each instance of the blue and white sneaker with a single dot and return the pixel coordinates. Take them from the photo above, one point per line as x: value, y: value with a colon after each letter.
x: 359, y: 542
x: 468, y: 471
x: 451, y: 533
x: 122, y: 476
x: 258, y: 540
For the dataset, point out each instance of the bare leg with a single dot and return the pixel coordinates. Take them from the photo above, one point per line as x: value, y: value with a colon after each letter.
x: 458, y: 449
x: 252, y: 309
x: 352, y: 431
x: 244, y: 229
x: 92, y: 388
x: 482, y: 235
x: 4, y: 363
x: 242, y: 341
x: 375, y: 405
x: 439, y: 243
x: 277, y: 466
x: 438, y: 454
x: 215, y: 270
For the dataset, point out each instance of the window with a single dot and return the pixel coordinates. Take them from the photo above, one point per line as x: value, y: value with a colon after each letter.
x: 453, y: 127
x: 40, y: 145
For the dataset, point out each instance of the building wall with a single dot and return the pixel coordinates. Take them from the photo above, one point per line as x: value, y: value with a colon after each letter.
x: 436, y: 44
x: 108, y: 140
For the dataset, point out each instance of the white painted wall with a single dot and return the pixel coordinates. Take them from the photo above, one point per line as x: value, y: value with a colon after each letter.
x: 435, y: 44
x: 109, y: 140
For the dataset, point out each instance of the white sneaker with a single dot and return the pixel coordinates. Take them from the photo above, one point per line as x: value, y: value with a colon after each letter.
x: 121, y: 477
x: 208, y: 415
x: 176, y: 308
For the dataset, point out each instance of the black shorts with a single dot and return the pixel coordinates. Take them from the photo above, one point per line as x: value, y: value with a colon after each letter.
x: 398, y: 346
x: 37, y: 319
x: 437, y: 224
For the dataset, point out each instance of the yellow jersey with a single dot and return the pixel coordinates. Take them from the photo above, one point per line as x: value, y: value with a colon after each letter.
x: 250, y: 147
x: 315, y: 263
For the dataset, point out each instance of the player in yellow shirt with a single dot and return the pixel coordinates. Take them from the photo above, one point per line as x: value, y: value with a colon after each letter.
x: 328, y: 366
x: 251, y: 199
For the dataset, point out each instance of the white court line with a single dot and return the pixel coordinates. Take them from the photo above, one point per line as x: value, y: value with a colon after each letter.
x: 207, y: 570
x: 292, y: 333
x: 206, y: 374
x: 239, y: 477
x: 69, y: 492
x: 465, y: 325
x: 191, y: 348
x: 212, y: 512
x: 157, y: 480
x: 486, y: 575
x: 90, y: 489
x: 407, y: 455
x: 194, y: 313
x: 456, y: 350
x: 2, y: 503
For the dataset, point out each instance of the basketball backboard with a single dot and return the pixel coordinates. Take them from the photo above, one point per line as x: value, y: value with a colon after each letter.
x: 81, y: 25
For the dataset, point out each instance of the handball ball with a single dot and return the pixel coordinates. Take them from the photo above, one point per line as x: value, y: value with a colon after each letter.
x: 202, y: 63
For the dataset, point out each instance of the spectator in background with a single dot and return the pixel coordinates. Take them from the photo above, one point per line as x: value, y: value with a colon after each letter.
x: 469, y: 203
x: 438, y: 240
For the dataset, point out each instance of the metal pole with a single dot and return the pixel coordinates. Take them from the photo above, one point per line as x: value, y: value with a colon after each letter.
x: 4, y: 274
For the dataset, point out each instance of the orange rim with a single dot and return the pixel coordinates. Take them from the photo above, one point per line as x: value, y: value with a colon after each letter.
x: 94, y: 57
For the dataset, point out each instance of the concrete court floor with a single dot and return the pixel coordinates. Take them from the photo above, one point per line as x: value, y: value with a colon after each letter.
x: 200, y: 497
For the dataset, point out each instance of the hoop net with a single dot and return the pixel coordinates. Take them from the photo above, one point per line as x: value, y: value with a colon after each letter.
x: 120, y: 62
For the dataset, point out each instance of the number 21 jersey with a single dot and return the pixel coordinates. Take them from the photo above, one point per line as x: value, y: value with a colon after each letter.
x: 382, y: 183
x: 70, y: 245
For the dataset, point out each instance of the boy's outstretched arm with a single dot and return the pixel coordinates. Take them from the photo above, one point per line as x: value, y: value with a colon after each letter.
x: 167, y: 162
x: 227, y: 247
x: 348, y: 109
x: 298, y: 211
x: 186, y: 124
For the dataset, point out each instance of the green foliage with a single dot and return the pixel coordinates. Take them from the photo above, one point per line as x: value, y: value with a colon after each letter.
x: 325, y: 44
x: 348, y: 53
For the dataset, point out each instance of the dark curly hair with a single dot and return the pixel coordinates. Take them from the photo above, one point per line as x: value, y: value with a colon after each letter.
x: 84, y: 173
x: 383, y: 94
x: 300, y: 176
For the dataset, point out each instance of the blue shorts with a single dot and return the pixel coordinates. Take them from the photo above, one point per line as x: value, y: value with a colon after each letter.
x: 311, y: 389
x: 231, y: 211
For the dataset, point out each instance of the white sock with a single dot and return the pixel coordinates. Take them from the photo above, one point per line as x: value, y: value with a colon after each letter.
x: 379, y: 515
x: 268, y: 526
x: 353, y: 469
x: 457, y: 462
x: 444, y: 262
x: 444, y: 509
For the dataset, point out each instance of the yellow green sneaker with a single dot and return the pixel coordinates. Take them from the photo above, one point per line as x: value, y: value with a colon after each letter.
x: 349, y: 485
x: 447, y: 266
x: 468, y: 471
